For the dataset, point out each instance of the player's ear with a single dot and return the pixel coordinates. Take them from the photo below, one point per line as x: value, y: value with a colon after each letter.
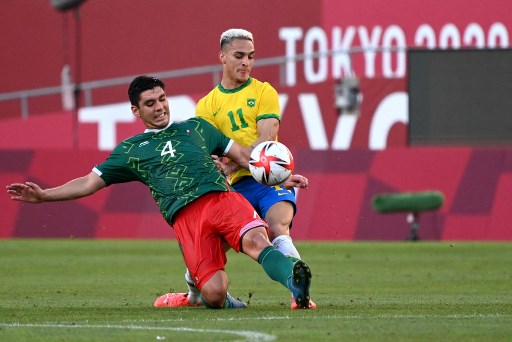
x: 222, y: 57
x: 135, y: 111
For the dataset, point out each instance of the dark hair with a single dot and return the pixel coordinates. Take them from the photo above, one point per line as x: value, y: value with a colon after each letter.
x: 141, y: 84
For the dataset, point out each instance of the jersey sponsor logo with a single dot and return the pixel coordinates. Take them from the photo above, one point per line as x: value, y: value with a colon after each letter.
x: 251, y: 102
x: 143, y: 143
x: 216, y: 112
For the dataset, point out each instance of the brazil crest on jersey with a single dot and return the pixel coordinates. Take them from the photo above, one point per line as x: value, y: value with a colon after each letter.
x: 235, y: 112
x: 175, y: 163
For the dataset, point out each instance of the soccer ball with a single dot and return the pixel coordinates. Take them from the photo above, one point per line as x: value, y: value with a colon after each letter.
x: 271, y: 163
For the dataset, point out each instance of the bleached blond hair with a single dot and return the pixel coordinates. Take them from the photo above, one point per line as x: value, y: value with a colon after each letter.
x: 235, y: 33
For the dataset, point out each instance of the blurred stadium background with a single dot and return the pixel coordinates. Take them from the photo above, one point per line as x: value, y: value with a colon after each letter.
x: 377, y: 97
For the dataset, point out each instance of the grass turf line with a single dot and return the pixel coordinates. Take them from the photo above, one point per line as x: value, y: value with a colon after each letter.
x: 103, y: 290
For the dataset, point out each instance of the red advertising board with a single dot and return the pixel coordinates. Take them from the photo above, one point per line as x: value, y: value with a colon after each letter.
x: 348, y: 158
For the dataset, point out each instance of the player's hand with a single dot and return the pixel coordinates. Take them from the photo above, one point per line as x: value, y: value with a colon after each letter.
x: 220, y: 165
x: 296, y: 181
x: 28, y: 192
x: 228, y: 168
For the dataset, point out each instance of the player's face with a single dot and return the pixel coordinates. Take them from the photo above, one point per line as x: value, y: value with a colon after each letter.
x: 237, y: 59
x: 153, y: 108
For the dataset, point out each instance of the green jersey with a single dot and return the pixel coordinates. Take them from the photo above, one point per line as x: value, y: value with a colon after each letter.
x: 175, y: 163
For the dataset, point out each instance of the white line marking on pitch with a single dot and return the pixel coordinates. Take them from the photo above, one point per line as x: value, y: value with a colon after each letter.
x: 250, y: 336
x: 355, y: 317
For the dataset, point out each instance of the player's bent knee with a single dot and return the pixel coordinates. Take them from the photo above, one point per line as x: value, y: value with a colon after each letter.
x: 254, y: 241
x: 214, y: 291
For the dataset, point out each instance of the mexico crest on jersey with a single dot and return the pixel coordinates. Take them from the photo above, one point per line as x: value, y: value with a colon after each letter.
x: 251, y: 102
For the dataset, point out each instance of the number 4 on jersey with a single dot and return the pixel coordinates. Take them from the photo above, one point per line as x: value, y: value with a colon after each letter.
x: 168, y: 149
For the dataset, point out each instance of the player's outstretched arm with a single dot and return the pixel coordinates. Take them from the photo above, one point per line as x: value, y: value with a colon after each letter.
x: 76, y: 188
x: 240, y: 154
x: 267, y: 130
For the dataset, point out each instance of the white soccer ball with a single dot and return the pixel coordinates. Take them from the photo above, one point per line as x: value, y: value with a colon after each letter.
x: 271, y: 163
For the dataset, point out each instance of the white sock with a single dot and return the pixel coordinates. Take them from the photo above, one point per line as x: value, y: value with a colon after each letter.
x: 194, y: 295
x: 284, y: 244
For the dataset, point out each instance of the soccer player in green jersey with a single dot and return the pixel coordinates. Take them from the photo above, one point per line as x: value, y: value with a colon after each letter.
x: 174, y: 160
x: 247, y: 110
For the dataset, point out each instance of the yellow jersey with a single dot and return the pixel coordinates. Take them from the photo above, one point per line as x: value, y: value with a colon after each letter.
x: 235, y: 112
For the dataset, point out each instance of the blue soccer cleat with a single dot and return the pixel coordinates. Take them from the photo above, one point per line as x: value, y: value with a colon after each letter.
x: 232, y: 303
x: 299, y: 284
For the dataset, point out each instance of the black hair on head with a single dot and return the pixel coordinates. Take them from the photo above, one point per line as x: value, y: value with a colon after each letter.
x: 140, y: 84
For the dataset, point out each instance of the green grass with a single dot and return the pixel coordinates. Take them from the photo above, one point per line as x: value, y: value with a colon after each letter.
x: 103, y: 290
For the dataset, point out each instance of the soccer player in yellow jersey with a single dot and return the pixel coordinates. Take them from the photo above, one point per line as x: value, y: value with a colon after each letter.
x: 247, y: 110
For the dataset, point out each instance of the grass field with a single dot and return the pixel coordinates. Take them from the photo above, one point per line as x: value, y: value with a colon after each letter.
x: 103, y: 290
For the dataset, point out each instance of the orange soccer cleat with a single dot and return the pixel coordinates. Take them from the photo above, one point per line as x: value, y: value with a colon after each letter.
x: 294, y: 305
x: 173, y: 300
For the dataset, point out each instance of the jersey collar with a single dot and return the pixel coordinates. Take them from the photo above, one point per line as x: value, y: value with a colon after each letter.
x: 234, y: 90
x: 156, y: 130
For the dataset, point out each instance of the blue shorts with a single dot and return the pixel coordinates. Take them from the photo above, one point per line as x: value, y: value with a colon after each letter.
x: 262, y: 197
